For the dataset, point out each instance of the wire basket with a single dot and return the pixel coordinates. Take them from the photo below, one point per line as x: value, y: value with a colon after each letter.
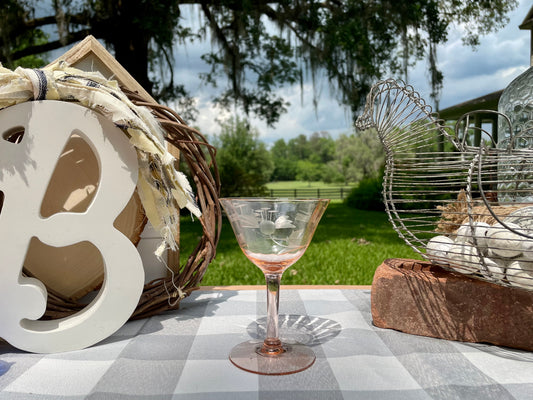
x: 466, y: 208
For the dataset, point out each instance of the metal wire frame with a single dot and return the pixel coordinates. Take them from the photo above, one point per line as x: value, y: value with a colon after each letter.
x: 467, y: 208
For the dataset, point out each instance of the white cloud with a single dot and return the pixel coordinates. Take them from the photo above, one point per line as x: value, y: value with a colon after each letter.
x: 301, y: 118
x: 500, y: 58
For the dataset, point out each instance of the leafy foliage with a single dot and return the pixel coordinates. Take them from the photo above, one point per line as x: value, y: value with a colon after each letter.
x: 309, y: 171
x: 347, y: 159
x: 367, y: 195
x: 304, y: 158
x: 257, y: 45
x: 285, y: 166
x: 359, y: 155
x: 14, y: 35
x: 244, y: 162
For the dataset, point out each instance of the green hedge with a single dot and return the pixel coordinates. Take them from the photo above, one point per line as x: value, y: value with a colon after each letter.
x: 367, y: 195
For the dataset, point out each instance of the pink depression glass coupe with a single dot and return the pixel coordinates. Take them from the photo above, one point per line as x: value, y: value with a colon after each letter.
x: 273, y: 234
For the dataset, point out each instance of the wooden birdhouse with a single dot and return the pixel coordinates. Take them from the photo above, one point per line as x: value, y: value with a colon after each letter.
x: 78, y: 270
x: 84, y: 163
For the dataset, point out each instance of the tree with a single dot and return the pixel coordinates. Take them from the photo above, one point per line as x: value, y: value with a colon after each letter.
x: 299, y: 147
x: 284, y: 164
x: 258, y: 45
x: 322, y: 147
x: 309, y: 171
x: 302, y: 158
x: 14, y: 36
x: 358, y: 156
x: 243, y: 161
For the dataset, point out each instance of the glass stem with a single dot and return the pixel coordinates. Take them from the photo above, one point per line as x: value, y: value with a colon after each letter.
x: 272, y: 345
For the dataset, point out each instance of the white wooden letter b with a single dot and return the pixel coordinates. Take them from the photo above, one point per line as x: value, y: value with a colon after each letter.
x: 25, y: 171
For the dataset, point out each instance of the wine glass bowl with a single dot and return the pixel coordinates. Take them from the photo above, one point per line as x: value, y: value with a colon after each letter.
x: 273, y: 234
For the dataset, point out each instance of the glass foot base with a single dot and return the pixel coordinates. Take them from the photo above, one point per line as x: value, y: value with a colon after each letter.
x: 295, y: 358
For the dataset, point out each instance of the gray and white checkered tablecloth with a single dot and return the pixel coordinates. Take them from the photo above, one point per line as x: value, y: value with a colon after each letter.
x: 184, y: 355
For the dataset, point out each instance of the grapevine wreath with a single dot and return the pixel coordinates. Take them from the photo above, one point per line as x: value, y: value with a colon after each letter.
x: 162, y: 189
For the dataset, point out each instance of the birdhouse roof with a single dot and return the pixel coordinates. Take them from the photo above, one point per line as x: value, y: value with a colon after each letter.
x: 90, y: 55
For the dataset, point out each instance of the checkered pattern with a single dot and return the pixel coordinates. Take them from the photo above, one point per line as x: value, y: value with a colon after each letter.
x: 184, y: 355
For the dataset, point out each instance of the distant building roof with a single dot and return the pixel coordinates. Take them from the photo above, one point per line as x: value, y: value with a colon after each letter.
x: 528, y: 21
x: 485, y: 102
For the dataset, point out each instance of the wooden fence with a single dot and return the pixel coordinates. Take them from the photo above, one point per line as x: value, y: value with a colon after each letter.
x: 339, y: 193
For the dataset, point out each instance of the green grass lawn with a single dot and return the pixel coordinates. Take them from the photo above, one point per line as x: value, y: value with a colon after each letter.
x: 304, y: 185
x: 347, y: 247
x: 302, y: 189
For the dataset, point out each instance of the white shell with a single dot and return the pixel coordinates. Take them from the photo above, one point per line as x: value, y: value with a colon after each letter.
x: 522, y: 217
x: 464, y: 234
x: 527, y: 249
x: 466, y: 258
x: 504, y: 243
x: 496, y: 268
x: 520, y: 273
x: 438, y: 247
x: 474, y: 234
x: 480, y: 232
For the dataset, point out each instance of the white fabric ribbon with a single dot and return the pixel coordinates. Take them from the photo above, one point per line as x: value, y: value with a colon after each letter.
x: 162, y: 189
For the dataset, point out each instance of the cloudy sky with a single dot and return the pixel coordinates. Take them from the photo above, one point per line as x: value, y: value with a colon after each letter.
x: 500, y: 58
x: 468, y: 74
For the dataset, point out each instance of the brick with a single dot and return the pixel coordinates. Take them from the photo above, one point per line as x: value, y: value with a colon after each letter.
x: 419, y: 298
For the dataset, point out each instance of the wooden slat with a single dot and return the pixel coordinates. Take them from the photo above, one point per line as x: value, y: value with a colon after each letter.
x: 90, y: 55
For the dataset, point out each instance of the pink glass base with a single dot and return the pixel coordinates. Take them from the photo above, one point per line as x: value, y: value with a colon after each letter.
x: 294, y: 358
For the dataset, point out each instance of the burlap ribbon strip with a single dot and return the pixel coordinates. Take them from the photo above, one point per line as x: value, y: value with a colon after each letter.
x: 162, y: 189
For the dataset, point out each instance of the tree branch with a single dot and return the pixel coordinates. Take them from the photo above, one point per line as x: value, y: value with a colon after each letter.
x: 79, y: 19
x: 38, y: 22
x: 221, y: 37
x: 274, y: 17
x: 42, y: 48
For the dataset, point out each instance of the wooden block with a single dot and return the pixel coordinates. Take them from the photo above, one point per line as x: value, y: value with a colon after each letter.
x: 420, y: 298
